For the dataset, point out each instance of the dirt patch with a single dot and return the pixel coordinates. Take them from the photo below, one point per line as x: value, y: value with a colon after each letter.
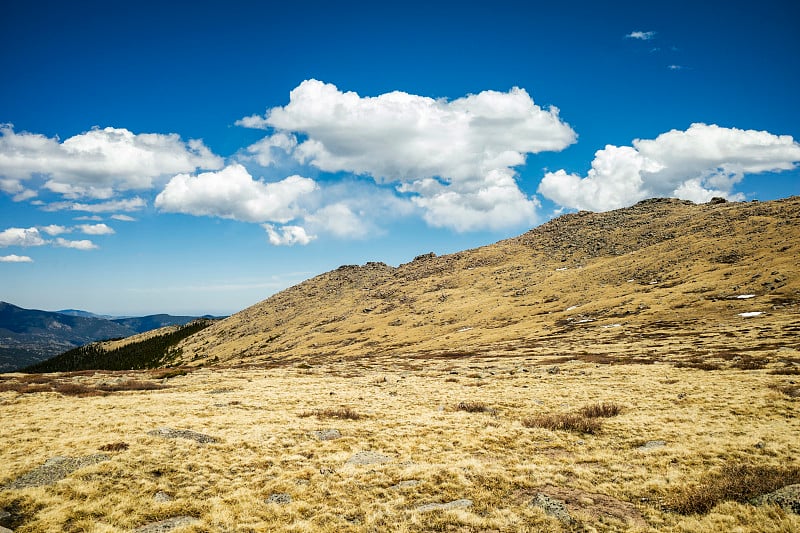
x: 594, y: 506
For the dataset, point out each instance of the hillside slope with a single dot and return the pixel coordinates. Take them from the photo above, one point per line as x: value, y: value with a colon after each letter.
x: 662, y: 279
x: 144, y: 350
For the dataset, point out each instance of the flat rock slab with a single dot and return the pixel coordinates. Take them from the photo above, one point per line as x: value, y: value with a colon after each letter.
x: 788, y: 498
x: 552, y: 507
x: 166, y: 525
x: 5, y: 530
x: 327, y: 434
x: 54, y: 469
x: 162, y: 497
x: 281, y: 498
x: 368, y: 458
x: 169, y: 433
x: 407, y: 484
x: 652, y: 445
x: 455, y: 504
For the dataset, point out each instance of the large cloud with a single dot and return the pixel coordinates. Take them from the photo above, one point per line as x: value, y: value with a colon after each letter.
x: 97, y: 163
x: 21, y: 237
x: 696, y: 164
x: 233, y: 193
x: 462, y: 145
x: 32, y: 237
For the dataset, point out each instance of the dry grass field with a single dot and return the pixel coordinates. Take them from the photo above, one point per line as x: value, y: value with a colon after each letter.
x: 440, y: 430
x: 627, y: 371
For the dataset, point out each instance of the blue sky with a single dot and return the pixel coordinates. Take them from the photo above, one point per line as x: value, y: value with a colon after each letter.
x: 195, y: 158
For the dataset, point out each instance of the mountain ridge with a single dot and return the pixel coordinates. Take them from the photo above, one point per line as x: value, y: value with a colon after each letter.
x: 619, y: 277
x: 30, y: 336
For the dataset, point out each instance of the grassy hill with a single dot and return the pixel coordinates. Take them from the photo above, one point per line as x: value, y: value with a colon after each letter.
x: 662, y: 279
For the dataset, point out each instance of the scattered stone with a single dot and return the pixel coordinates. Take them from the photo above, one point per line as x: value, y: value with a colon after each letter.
x: 751, y: 314
x: 552, y: 507
x: 407, y: 484
x: 162, y: 497
x: 326, y: 471
x: 787, y: 498
x: 652, y: 444
x: 327, y: 434
x: 280, y: 498
x: 553, y: 370
x: 169, y: 433
x: 166, y: 525
x: 456, y: 504
x: 368, y: 458
x: 54, y: 469
x: 760, y: 445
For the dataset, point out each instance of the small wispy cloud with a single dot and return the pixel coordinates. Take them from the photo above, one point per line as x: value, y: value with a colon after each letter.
x: 75, y: 245
x: 641, y: 35
x: 95, y: 229
x: 676, y: 67
x: 15, y: 259
x: 123, y: 218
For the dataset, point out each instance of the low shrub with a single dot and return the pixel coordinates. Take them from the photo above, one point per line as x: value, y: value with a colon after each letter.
x: 114, y: 447
x: 473, y: 407
x: 76, y: 389
x: 130, y: 385
x: 344, y: 413
x: 563, y: 422
x: 792, y: 391
x: 732, y: 482
x: 601, y: 410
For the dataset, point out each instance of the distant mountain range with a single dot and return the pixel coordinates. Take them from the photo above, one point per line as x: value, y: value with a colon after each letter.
x: 28, y: 336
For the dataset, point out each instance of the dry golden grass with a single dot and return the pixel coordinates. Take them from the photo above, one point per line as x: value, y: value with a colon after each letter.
x: 265, y: 446
x: 601, y: 359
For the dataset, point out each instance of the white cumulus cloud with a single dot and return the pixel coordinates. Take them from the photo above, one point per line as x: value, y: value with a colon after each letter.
x: 83, y: 244
x: 233, y: 193
x: 123, y: 218
x: 99, y: 162
x: 694, y: 164
x: 55, y: 229
x: 21, y: 237
x: 339, y: 220
x: 95, y: 229
x: 13, y: 258
x: 266, y: 151
x: 463, y: 145
x: 287, y: 235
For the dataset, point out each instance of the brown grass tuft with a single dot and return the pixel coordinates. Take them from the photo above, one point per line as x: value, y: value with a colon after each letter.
x: 732, y: 482
x: 786, y: 371
x: 76, y: 389
x: 343, y: 413
x: 473, y: 407
x: 601, y: 410
x: 563, y: 422
x: 792, y: 391
x: 131, y: 385
x: 114, y: 447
